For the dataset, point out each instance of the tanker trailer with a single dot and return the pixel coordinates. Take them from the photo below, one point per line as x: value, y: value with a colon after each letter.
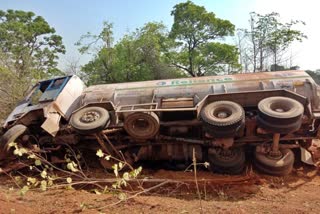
x: 224, y: 119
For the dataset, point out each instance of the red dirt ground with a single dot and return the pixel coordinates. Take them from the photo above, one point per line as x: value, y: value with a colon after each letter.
x: 296, y: 193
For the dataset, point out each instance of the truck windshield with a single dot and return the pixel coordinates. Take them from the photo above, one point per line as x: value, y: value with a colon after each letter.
x: 46, y: 91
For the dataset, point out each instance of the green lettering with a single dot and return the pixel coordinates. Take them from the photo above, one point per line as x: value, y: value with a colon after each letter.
x: 175, y: 82
x: 184, y: 82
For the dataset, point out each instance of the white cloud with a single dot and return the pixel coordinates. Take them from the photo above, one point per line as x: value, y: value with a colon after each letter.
x: 307, y: 53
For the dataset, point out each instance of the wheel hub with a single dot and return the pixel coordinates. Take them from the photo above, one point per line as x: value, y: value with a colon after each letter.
x: 140, y: 123
x: 90, y: 117
x: 274, y: 155
x: 227, y: 154
x: 280, y: 110
x: 222, y: 114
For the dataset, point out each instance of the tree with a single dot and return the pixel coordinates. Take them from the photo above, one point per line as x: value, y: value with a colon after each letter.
x: 135, y: 57
x: 194, y: 30
x: 152, y: 45
x: 29, y: 43
x: 12, y: 89
x: 101, y: 68
x: 276, y: 67
x: 315, y: 75
x: 29, y: 51
x: 241, y: 41
x: 281, y: 37
x: 258, y: 34
x: 269, y: 38
x: 252, y: 38
x: 72, y: 67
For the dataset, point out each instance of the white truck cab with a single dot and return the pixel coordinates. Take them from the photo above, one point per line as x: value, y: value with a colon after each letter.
x: 49, y: 100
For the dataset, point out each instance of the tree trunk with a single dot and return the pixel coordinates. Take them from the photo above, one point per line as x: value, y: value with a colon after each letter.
x: 275, y: 60
x: 261, y: 60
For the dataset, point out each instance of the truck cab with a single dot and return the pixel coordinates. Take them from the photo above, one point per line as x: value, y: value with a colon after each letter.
x: 47, y: 102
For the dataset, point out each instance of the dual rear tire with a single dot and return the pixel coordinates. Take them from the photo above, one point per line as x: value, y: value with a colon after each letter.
x: 222, y: 119
x: 275, y: 114
x: 232, y: 161
x: 279, y: 166
x: 280, y: 114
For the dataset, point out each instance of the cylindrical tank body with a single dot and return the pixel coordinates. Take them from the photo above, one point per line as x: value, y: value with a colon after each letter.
x: 150, y: 91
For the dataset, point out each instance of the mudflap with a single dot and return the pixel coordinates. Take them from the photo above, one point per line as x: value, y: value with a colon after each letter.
x: 311, y: 155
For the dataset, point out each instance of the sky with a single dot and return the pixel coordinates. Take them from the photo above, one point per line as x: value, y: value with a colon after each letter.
x: 73, y: 18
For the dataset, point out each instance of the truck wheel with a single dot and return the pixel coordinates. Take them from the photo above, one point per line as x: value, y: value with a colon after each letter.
x: 222, y: 118
x: 12, y: 135
x: 90, y: 120
x: 280, y: 114
x: 279, y: 166
x: 142, y: 125
x: 278, y: 128
x: 231, y: 161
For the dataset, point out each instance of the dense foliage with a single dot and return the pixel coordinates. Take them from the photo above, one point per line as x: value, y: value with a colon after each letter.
x: 152, y: 52
x: 315, y: 75
x: 194, y: 31
x: 29, y: 50
x: 29, y: 44
x: 137, y: 56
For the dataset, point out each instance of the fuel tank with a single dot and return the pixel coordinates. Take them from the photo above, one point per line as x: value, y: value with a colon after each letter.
x: 199, y: 87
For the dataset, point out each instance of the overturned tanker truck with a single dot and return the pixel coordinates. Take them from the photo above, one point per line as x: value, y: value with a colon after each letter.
x: 226, y: 120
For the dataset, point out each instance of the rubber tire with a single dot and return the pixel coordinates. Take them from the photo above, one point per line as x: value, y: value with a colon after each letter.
x: 222, y: 127
x: 278, y: 167
x: 10, y: 136
x: 233, y: 166
x: 93, y: 127
x: 280, y: 122
x: 278, y: 128
x: 141, y: 133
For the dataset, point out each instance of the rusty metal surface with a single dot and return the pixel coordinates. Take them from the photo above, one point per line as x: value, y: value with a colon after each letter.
x: 199, y: 87
x: 283, y: 79
x: 314, y: 149
x: 190, y: 94
x: 177, y: 103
